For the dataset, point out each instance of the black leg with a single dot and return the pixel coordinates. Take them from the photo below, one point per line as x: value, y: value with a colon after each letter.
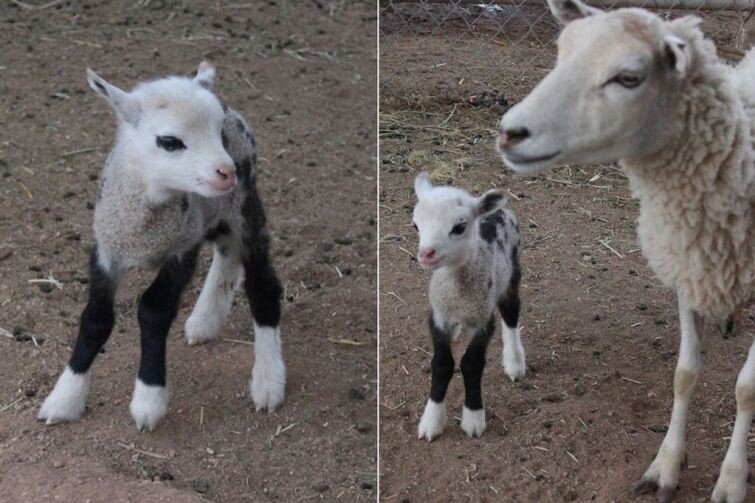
x: 261, y: 283
x: 442, y: 363
x: 510, y: 304
x: 157, y: 310
x: 97, y: 319
x: 473, y: 364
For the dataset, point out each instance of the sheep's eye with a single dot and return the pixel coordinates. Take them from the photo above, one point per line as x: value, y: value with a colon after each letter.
x: 459, y: 228
x: 170, y: 143
x: 628, y: 79
x: 415, y: 227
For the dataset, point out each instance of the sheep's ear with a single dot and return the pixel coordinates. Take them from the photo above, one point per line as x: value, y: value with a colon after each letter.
x: 489, y: 202
x: 422, y: 184
x: 676, y: 54
x: 567, y: 11
x: 125, y: 105
x: 205, y: 74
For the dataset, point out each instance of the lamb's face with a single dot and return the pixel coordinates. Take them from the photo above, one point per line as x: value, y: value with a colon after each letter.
x: 611, y: 95
x: 446, y: 220
x: 174, y: 127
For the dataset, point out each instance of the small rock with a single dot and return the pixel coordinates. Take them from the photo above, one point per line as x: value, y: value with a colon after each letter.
x: 344, y: 241
x: 30, y: 392
x: 57, y: 464
x: 366, y: 485
x: 321, y: 487
x: 201, y: 486
x: 363, y: 427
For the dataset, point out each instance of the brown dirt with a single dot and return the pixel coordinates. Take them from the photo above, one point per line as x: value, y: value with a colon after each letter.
x: 600, y: 332
x: 311, y: 71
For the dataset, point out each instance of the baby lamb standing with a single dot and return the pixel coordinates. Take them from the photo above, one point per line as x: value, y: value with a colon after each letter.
x: 182, y: 171
x: 472, y: 246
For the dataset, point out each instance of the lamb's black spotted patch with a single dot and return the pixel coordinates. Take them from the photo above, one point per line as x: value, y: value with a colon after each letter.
x: 204, y: 84
x: 222, y: 229
x: 489, y: 226
x: 224, y: 139
x: 185, y: 204
x: 240, y: 125
x: 244, y: 169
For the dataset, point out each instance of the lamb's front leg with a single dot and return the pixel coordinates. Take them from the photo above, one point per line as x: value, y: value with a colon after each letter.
x: 157, y: 310
x: 67, y: 400
x: 732, y: 481
x: 472, y: 367
x: 663, y: 474
x: 433, y: 419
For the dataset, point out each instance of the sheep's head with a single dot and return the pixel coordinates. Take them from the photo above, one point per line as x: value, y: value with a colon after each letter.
x: 172, y: 128
x: 612, y: 95
x: 447, y: 221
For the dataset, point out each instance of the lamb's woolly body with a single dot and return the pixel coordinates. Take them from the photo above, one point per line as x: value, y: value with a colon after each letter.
x: 131, y: 232
x: 467, y: 295
x: 696, y: 225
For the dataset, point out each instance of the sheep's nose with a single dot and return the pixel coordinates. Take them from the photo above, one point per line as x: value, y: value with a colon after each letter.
x: 225, y: 172
x: 510, y: 137
x: 426, y: 253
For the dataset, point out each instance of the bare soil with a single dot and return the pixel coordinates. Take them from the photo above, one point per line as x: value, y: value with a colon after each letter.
x: 304, y: 75
x: 600, y: 331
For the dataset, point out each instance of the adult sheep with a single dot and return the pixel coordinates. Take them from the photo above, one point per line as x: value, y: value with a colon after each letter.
x: 653, y: 94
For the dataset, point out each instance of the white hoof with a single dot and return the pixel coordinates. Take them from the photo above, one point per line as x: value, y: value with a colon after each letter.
x: 201, y: 327
x: 67, y: 400
x: 514, y: 365
x: 268, y: 385
x: 148, y: 405
x: 731, y: 486
x: 473, y: 421
x: 433, y: 421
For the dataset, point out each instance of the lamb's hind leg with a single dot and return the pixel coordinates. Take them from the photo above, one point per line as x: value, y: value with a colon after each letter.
x: 158, y: 307
x: 472, y: 367
x: 663, y: 474
x: 215, y: 301
x: 67, y: 400
x: 268, y: 383
x: 513, y: 352
x: 732, y: 481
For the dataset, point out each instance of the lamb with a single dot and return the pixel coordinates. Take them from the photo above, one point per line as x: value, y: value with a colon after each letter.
x: 653, y: 94
x: 182, y: 171
x: 472, y: 246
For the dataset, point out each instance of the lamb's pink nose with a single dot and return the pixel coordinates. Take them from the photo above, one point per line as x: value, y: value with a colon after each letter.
x: 225, y: 178
x: 426, y: 253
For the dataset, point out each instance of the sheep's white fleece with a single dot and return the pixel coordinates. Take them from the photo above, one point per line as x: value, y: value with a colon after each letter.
x: 696, y: 225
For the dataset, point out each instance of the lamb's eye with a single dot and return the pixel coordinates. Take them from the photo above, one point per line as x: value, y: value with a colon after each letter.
x: 170, y: 143
x: 628, y: 79
x: 459, y: 228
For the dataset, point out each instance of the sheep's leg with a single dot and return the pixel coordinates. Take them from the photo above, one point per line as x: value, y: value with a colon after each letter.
x: 215, y: 301
x: 433, y: 419
x: 513, y: 352
x: 663, y: 473
x: 732, y: 481
x: 268, y: 383
x: 67, y: 400
x: 158, y: 307
x: 472, y: 367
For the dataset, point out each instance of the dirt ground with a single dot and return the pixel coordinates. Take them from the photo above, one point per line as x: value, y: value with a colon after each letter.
x: 304, y: 75
x: 600, y: 331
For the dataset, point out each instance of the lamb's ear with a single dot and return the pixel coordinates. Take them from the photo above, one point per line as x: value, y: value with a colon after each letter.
x: 125, y: 105
x: 490, y: 201
x: 205, y: 74
x: 567, y: 11
x: 422, y: 184
x: 676, y: 54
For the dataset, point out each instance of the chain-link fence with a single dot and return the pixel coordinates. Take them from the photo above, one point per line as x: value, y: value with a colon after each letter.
x: 439, y: 47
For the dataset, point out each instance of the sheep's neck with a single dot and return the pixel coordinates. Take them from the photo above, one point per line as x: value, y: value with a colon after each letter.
x: 703, y: 157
